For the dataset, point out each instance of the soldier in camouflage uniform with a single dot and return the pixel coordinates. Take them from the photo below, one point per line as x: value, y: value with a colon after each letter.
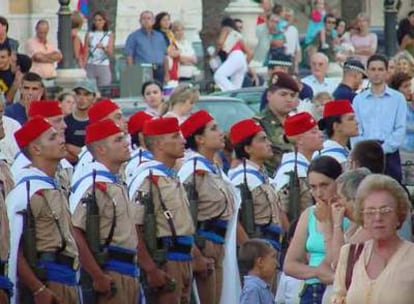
x: 282, y: 97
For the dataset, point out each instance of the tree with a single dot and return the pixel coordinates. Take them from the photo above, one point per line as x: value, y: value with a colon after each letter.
x: 110, y: 7
x: 213, y: 12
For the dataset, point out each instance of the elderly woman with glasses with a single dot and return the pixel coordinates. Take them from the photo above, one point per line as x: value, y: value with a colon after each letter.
x: 382, y: 271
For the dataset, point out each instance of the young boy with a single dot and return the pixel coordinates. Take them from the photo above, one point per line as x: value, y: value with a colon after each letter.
x: 258, y: 258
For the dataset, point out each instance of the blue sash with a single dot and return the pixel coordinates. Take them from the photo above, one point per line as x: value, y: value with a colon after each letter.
x: 210, y: 235
x: 179, y: 256
x: 46, y: 179
x: 103, y: 173
x: 206, y: 163
x: 59, y: 273
x: 143, y: 154
x: 6, y: 285
x: 256, y: 173
x: 341, y: 151
x: 122, y: 267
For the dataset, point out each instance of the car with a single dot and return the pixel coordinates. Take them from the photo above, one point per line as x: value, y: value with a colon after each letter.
x: 226, y: 110
x: 251, y: 96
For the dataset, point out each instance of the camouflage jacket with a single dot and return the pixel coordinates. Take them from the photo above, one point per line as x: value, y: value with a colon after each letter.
x: 274, y: 130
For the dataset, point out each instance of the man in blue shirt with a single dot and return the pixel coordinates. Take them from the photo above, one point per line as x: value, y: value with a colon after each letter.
x: 31, y: 89
x: 381, y: 113
x: 148, y: 46
x: 353, y: 73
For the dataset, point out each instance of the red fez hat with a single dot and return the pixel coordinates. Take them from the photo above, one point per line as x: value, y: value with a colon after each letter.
x: 337, y: 107
x: 160, y: 126
x: 136, y: 122
x: 31, y: 130
x: 299, y: 123
x: 283, y: 81
x: 99, y: 110
x: 194, y: 122
x: 100, y: 130
x: 45, y: 108
x: 244, y: 129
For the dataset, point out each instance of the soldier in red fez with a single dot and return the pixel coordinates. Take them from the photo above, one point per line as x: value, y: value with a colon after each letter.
x: 215, y: 204
x: 302, y: 131
x: 46, y: 262
x: 139, y: 153
x: 115, y: 277
x: 339, y: 124
x: 166, y: 235
x: 51, y: 111
x: 253, y: 148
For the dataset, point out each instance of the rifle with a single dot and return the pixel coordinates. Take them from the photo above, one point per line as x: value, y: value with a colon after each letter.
x: 93, y: 238
x: 294, y: 192
x: 247, y: 207
x: 29, y: 248
x: 192, y: 195
x: 159, y: 255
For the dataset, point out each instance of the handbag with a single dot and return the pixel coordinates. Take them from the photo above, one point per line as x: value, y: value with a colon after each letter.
x: 353, y: 256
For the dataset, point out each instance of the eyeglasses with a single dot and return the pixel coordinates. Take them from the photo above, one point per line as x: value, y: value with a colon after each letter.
x: 370, y: 212
x: 331, y: 22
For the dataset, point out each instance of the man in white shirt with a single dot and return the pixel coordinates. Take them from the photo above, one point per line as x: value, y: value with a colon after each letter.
x: 317, y: 80
x: 292, y: 45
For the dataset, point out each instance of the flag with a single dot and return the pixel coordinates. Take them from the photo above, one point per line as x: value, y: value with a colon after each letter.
x: 83, y: 7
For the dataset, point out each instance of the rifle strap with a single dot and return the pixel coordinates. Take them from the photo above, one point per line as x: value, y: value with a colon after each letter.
x: 110, y: 236
x: 167, y: 214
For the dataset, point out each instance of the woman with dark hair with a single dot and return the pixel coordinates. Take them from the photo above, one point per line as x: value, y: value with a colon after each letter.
x: 253, y: 148
x: 340, y: 125
x: 139, y: 152
x: 306, y: 257
x: 216, y: 211
x: 99, y: 43
x: 402, y: 83
x: 151, y: 91
x: 163, y: 25
x: 230, y: 74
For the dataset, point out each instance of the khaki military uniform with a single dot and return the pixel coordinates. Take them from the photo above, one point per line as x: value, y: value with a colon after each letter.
x: 215, y: 201
x: 6, y: 184
x: 175, y: 199
x: 274, y: 131
x: 48, y: 205
x: 305, y: 196
x: 112, y: 199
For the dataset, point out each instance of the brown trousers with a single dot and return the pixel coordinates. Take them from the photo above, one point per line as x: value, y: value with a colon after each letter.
x: 67, y: 294
x: 182, y: 273
x: 4, y: 299
x: 209, y: 288
x: 127, y: 290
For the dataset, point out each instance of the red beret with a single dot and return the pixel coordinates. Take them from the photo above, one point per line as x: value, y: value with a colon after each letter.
x: 244, y: 129
x: 45, y: 108
x: 194, y: 122
x: 337, y: 107
x: 31, y: 130
x: 161, y: 126
x: 100, y: 130
x: 136, y: 122
x: 283, y: 81
x: 99, y: 110
x: 299, y: 123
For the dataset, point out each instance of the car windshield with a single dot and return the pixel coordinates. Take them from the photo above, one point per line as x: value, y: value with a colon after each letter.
x: 226, y: 113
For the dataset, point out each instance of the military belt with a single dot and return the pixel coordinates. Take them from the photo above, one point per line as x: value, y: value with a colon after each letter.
x: 3, y: 268
x: 59, y: 259
x: 122, y: 256
x: 214, y: 227
x: 171, y: 246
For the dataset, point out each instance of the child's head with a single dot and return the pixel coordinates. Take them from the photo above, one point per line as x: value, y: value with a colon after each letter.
x: 319, y: 102
x: 258, y: 257
x: 319, y: 4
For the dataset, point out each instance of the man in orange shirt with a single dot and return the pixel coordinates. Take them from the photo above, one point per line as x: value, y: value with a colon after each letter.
x: 44, y: 54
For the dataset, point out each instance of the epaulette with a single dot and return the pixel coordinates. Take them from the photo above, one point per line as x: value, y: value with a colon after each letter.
x: 39, y: 192
x: 101, y: 186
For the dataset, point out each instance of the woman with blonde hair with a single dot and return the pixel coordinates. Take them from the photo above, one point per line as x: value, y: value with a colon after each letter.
x: 182, y: 101
x: 404, y: 63
x: 380, y: 270
x: 364, y: 42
